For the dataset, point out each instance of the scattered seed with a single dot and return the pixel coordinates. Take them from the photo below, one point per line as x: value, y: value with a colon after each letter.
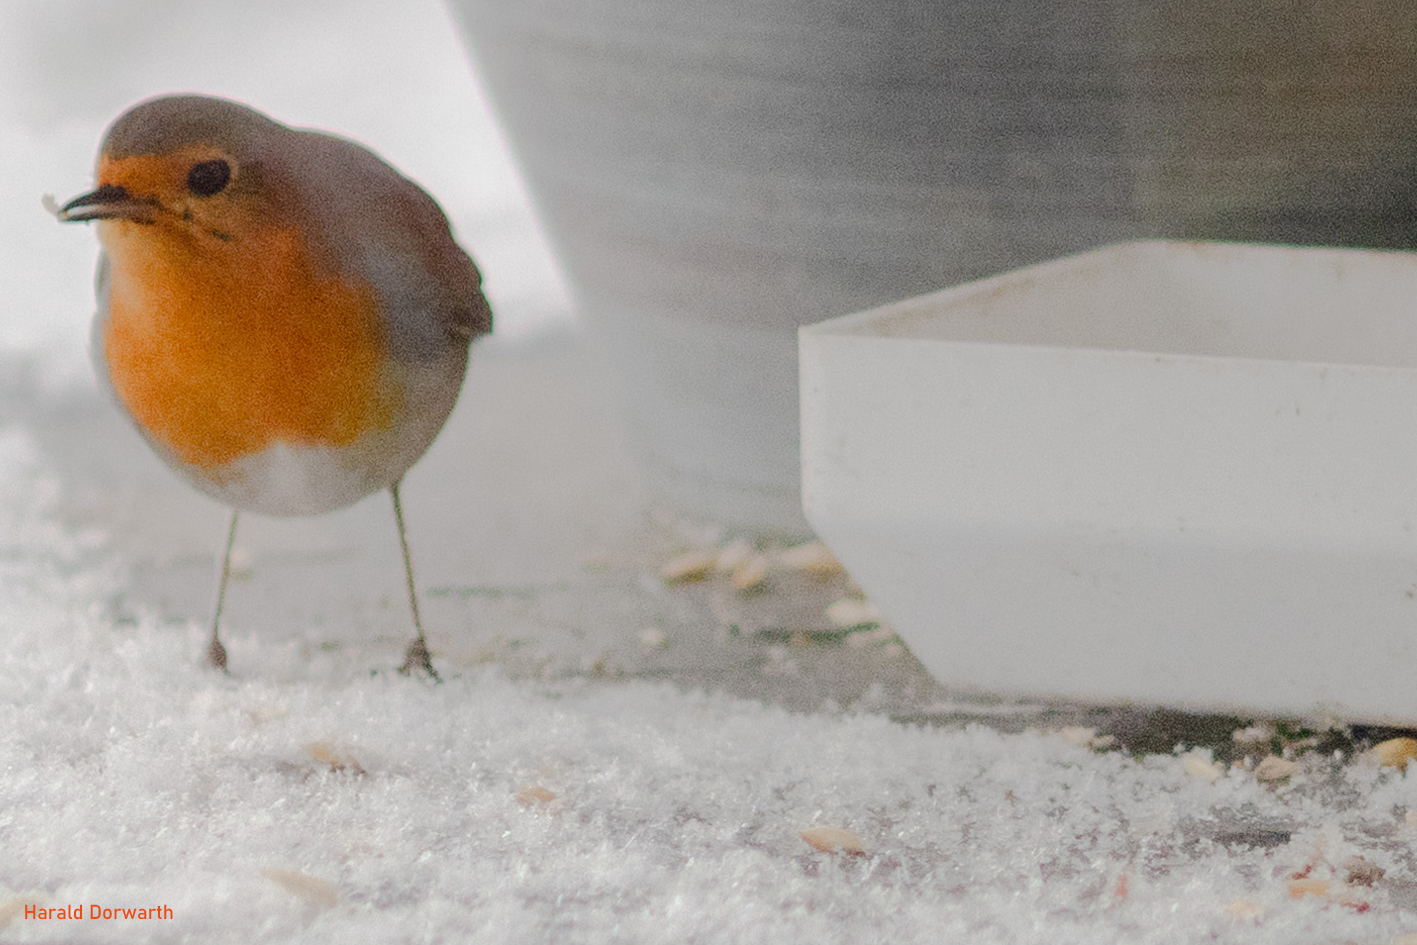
x: 1273, y: 768
x: 812, y: 557
x: 1299, y: 888
x: 833, y: 840
x: 337, y: 758
x: 654, y: 638
x: 1410, y: 818
x: 531, y: 795
x: 1335, y: 892
x: 690, y: 566
x: 1200, y: 767
x: 867, y: 637
x: 1395, y: 752
x: 731, y: 555
x: 1246, y: 910
x: 853, y: 612
x: 751, y: 572
x: 314, y: 891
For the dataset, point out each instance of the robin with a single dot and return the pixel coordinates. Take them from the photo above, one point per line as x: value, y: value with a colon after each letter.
x: 285, y: 317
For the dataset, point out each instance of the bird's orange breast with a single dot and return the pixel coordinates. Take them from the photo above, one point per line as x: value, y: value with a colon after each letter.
x: 220, y: 351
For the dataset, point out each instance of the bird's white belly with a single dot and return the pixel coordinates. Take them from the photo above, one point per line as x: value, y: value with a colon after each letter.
x: 291, y: 480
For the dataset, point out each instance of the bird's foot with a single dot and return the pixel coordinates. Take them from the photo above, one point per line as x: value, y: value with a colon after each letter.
x: 417, y: 659
x: 216, y: 655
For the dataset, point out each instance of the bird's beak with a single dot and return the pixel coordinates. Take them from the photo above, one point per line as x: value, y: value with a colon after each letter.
x: 109, y: 202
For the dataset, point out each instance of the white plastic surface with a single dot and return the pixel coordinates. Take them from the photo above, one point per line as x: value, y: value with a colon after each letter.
x: 1165, y: 473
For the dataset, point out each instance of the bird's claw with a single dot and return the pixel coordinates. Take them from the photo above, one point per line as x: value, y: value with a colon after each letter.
x: 216, y: 655
x: 417, y: 658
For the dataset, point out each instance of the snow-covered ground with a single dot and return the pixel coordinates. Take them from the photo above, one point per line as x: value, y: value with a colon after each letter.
x: 609, y: 759
x: 612, y: 758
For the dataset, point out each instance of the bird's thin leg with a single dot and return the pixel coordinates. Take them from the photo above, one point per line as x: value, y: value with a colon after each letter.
x: 216, y: 653
x: 416, y: 657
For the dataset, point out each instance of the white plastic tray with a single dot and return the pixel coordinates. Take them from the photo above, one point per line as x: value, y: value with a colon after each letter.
x: 1162, y: 473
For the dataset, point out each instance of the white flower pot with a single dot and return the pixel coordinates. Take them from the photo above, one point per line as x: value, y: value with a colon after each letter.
x: 1162, y: 473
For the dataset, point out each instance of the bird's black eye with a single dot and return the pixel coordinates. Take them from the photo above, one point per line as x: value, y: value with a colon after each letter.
x: 209, y: 177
